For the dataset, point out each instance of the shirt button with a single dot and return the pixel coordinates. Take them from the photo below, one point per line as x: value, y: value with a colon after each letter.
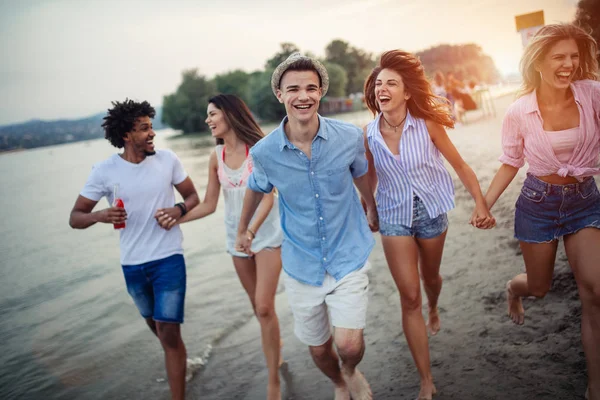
x: 312, y: 172
x: 321, y: 218
x: 324, y: 258
x: 323, y: 238
x: 317, y: 195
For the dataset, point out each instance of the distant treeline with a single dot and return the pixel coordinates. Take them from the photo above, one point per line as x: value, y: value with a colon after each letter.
x: 348, y: 68
x: 37, y: 133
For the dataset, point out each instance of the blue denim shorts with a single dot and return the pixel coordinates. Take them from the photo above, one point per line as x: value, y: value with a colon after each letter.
x: 422, y: 227
x: 545, y: 212
x: 158, y: 288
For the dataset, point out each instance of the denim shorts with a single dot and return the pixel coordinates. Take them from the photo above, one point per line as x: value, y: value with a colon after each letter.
x: 545, y: 212
x: 422, y: 227
x: 158, y: 288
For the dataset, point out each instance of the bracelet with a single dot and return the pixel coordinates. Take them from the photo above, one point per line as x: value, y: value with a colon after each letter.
x: 182, y: 207
x: 251, y: 232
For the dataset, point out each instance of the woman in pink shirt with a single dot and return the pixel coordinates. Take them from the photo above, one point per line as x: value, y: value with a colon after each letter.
x: 555, y: 125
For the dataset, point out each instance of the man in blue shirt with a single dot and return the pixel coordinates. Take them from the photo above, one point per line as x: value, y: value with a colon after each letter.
x: 312, y: 162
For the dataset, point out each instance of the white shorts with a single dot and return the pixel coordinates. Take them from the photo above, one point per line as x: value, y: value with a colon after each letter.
x: 346, y: 300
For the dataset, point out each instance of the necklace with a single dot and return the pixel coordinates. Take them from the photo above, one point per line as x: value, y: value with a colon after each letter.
x: 392, y: 126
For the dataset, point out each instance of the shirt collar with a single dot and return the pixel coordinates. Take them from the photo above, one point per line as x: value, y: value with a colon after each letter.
x: 410, y: 120
x: 531, y: 104
x: 284, y: 141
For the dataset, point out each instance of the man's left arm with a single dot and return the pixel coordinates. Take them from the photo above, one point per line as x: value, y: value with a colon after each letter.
x: 359, y: 168
x: 188, y: 192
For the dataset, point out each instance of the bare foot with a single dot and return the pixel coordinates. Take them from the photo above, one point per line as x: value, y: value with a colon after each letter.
x: 433, y: 323
x: 341, y: 393
x: 274, y: 391
x: 427, y: 391
x: 358, y: 385
x: 515, y: 306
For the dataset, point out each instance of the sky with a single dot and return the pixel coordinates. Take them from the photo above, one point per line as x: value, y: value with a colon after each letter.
x: 71, y: 58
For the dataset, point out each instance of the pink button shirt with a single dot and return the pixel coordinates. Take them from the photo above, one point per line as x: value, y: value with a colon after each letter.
x: 523, y: 135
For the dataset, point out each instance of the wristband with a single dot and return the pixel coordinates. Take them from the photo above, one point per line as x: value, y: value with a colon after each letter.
x: 252, y: 233
x: 182, y: 207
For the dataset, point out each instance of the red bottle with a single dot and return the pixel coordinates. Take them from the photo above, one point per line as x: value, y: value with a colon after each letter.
x: 118, y: 202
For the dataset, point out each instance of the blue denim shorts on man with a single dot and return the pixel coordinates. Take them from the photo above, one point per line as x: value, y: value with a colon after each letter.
x: 545, y: 212
x: 422, y: 227
x: 158, y: 288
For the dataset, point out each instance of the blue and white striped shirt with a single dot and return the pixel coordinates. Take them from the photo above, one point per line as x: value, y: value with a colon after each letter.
x: 420, y: 171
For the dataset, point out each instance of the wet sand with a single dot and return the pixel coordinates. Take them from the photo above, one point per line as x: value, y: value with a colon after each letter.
x: 478, y: 354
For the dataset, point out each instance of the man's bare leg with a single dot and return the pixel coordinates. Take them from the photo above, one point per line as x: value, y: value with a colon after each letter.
x: 175, y: 357
x: 351, y: 348
x: 328, y: 362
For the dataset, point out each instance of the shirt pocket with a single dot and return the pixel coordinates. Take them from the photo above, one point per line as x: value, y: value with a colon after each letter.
x: 532, y: 195
x: 337, y: 180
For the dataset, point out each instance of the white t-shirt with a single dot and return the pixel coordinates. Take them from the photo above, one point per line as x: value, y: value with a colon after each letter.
x: 144, y: 188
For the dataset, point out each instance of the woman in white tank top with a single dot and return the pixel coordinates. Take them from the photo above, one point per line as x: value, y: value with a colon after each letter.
x: 230, y: 165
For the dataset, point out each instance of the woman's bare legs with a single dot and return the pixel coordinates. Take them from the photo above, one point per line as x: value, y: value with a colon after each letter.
x: 583, y: 252
x: 402, y: 255
x: 430, y: 256
x: 539, y: 264
x: 259, y: 277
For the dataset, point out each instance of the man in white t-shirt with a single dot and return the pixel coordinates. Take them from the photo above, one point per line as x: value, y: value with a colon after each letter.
x: 151, y: 257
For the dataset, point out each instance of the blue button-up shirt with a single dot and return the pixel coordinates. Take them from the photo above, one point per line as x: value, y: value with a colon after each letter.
x: 324, y: 226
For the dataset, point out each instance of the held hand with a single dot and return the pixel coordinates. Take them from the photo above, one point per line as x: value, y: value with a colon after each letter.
x: 482, y: 218
x: 243, y: 243
x: 167, y: 217
x: 373, y: 219
x: 112, y: 215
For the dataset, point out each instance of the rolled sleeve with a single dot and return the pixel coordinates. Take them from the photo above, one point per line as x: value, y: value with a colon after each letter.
x: 512, y: 143
x: 359, y: 165
x: 258, y: 180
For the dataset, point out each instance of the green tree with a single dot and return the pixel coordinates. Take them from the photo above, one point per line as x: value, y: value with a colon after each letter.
x: 261, y: 100
x: 588, y: 17
x: 356, y: 62
x: 186, y: 108
x: 338, y: 79
x: 287, y: 49
x: 234, y: 82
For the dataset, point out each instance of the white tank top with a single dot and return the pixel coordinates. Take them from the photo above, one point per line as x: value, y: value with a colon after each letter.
x: 234, y: 183
x: 563, y: 143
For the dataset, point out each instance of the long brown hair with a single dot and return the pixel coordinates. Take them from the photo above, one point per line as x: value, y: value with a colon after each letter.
x: 238, y: 117
x: 542, y: 42
x: 422, y: 102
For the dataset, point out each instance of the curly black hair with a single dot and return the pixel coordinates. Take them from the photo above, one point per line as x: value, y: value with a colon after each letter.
x: 121, y: 118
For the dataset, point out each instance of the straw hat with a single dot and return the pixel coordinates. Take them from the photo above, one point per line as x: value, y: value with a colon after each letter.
x: 281, y: 68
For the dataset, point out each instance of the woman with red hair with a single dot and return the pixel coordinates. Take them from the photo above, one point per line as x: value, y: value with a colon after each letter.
x: 405, y: 144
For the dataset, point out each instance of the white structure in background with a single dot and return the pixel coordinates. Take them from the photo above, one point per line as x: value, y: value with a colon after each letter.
x: 529, y: 24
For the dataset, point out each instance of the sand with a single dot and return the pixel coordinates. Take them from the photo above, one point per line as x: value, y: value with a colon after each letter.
x: 478, y: 354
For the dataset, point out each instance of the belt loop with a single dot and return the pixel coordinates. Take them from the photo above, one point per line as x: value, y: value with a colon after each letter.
x: 548, y: 188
